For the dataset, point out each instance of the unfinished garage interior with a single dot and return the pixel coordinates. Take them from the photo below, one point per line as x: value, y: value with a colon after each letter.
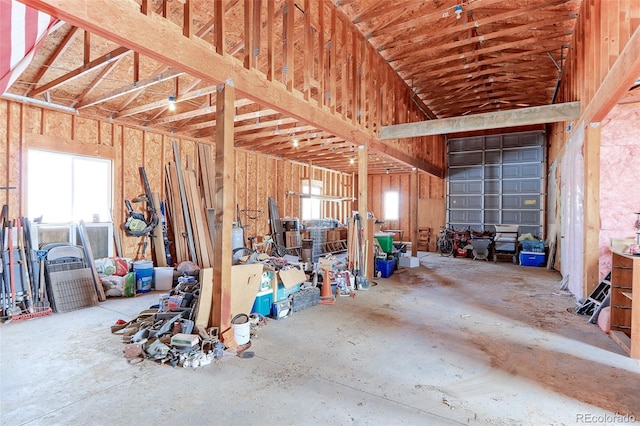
x: 336, y: 140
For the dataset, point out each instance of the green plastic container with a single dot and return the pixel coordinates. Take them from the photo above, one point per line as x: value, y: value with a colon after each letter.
x: 385, y: 241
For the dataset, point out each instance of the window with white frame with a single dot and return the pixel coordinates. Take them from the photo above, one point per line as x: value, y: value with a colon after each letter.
x: 66, y: 188
x: 311, y: 207
x: 391, y: 205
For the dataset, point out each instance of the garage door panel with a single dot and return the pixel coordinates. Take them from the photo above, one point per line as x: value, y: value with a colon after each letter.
x: 523, y: 155
x: 466, y: 144
x: 467, y: 158
x: 491, y: 201
x: 492, y: 217
x: 514, y: 171
x: 465, y: 202
x: 521, y: 217
x: 527, y: 202
x: 521, y: 186
x: 465, y: 187
x: 492, y: 172
x: 466, y: 216
x: 492, y: 186
x: 465, y: 173
x: 492, y: 157
x: 493, y: 142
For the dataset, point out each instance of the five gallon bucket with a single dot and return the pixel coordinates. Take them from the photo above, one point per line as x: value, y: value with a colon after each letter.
x: 163, y: 278
x: 144, y: 275
x: 241, y: 328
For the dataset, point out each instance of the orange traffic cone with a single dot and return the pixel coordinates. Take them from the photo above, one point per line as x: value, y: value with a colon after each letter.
x: 326, y: 295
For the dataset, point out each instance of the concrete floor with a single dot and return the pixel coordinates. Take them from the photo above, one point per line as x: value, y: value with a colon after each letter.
x: 455, y: 341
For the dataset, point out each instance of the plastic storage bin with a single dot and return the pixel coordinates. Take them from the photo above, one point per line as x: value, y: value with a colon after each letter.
x: 532, y: 259
x: 385, y: 267
x: 305, y: 299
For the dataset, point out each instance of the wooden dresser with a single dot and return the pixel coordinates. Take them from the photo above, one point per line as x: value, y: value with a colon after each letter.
x: 625, y: 310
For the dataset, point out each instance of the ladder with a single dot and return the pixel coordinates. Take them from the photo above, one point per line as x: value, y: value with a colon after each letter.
x: 598, y: 297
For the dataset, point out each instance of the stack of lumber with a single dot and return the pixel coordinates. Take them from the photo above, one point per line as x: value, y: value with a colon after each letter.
x: 190, y: 198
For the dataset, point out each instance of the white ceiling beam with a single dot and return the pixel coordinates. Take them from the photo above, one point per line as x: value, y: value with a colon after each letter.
x: 491, y: 120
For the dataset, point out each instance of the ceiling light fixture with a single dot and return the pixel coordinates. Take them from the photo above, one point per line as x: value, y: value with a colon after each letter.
x: 295, y: 143
x: 172, y: 103
x: 352, y: 161
x: 458, y: 11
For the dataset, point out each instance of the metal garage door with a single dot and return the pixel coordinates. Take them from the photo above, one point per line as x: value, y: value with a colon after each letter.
x: 497, y: 179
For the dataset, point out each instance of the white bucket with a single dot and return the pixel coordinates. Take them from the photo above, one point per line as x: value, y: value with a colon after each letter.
x: 144, y: 275
x: 163, y: 277
x: 241, y: 328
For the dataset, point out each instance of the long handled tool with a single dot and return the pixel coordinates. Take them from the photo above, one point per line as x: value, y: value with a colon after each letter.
x: 25, y: 269
x: 13, y: 309
x: 5, y: 284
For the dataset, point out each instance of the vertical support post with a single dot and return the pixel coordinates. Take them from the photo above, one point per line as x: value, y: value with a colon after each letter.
x: 363, y: 167
x: 249, y: 60
x: 218, y: 13
x: 413, y: 211
x: 270, y: 40
x: 590, y: 277
x: 224, y: 209
x: 288, y: 26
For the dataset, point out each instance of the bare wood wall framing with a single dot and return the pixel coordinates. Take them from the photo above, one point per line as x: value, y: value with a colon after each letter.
x: 601, y: 67
x: 430, y: 207
x: 258, y: 176
x: 603, y: 30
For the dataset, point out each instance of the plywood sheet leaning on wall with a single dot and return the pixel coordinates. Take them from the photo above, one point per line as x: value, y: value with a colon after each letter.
x: 190, y: 196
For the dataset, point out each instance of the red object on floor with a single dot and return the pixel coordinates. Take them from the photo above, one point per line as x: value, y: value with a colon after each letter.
x: 326, y: 294
x: 604, y: 319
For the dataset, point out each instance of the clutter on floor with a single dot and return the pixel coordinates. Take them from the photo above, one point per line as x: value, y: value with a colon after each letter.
x: 168, y: 332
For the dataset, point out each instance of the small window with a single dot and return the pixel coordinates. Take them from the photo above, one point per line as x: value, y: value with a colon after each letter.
x: 312, y: 207
x: 391, y: 205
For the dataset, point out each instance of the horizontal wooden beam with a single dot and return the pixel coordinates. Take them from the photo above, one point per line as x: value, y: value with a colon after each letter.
x: 491, y: 120
x: 622, y: 75
x: 161, y: 40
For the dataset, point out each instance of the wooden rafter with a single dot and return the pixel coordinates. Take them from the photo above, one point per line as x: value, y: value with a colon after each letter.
x: 78, y: 72
x: 142, y: 84
x: 402, y: 46
x: 431, y: 51
x: 59, y: 50
x: 456, y: 58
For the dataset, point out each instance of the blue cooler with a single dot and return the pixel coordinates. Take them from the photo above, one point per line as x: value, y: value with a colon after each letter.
x: 262, y: 304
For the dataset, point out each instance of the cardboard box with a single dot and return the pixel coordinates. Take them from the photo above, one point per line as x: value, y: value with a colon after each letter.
x: 409, y: 262
x: 287, y: 282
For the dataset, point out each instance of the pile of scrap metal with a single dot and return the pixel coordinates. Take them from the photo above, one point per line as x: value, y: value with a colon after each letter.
x: 166, y: 332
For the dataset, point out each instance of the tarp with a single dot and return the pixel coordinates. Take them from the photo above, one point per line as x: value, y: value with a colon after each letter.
x: 22, y: 31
